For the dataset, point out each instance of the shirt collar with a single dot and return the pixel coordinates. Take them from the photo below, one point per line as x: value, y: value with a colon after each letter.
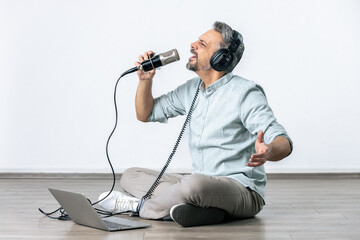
x: 216, y: 85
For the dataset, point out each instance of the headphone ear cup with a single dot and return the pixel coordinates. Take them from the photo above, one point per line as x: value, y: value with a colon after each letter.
x: 221, y: 59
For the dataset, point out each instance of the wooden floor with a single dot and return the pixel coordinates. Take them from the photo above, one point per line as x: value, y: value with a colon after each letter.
x: 296, y: 209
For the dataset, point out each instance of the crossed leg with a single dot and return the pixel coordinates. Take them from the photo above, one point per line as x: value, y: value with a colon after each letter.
x: 196, y: 189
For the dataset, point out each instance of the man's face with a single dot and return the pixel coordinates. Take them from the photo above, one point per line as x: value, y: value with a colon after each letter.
x: 202, y: 51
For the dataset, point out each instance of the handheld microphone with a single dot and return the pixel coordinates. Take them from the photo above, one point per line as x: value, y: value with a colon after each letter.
x: 160, y: 60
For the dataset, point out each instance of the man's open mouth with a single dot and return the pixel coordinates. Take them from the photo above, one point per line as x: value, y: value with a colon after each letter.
x: 194, y: 55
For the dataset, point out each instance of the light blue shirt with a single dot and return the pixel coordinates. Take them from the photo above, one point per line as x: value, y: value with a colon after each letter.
x: 223, y: 129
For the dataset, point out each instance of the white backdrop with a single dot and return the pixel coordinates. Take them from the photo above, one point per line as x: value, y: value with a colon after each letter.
x: 59, y: 61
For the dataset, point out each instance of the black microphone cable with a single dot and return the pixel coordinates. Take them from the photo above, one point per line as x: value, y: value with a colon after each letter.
x: 131, y: 70
x: 164, y: 59
x: 63, y: 215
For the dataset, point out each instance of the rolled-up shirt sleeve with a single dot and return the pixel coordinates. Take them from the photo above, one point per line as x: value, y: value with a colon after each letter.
x: 256, y: 115
x: 168, y: 105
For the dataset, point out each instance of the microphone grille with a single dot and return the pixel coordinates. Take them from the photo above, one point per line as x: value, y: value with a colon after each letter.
x: 169, y: 57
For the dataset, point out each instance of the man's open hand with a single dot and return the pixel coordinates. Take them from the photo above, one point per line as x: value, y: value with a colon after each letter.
x: 262, y: 152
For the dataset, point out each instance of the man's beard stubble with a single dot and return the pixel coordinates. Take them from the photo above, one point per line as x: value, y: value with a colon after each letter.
x: 195, y: 66
x: 192, y: 66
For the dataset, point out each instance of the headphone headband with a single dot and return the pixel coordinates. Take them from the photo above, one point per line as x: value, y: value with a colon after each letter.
x: 237, y: 41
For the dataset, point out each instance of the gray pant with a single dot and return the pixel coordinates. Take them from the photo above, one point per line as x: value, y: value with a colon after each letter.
x: 199, y: 190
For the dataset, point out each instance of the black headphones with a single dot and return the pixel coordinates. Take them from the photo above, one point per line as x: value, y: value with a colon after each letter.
x: 223, y: 57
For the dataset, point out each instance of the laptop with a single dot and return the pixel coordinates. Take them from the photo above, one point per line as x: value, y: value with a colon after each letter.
x: 82, y: 212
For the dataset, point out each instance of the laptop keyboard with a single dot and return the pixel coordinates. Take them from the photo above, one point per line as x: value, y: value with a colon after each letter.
x: 115, y: 225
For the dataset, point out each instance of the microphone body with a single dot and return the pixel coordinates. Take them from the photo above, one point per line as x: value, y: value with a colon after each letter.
x: 160, y: 60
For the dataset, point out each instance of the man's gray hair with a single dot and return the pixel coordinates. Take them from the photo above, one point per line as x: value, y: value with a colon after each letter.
x: 227, y: 36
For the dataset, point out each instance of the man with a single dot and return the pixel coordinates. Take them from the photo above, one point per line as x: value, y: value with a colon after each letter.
x: 232, y: 133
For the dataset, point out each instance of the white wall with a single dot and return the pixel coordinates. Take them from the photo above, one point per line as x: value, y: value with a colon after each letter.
x: 59, y: 61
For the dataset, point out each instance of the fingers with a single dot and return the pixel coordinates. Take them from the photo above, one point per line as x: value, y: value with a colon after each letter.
x: 257, y: 164
x: 258, y: 157
x: 150, y: 54
x: 145, y: 75
x: 262, y: 149
x: 261, y: 154
x: 257, y: 160
x: 146, y: 56
x: 260, y: 137
x: 141, y: 58
x: 137, y: 64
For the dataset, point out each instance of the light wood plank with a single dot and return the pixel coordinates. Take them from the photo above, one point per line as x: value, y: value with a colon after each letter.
x: 296, y: 209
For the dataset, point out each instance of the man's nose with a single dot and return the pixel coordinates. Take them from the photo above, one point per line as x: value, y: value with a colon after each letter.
x: 194, y: 45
